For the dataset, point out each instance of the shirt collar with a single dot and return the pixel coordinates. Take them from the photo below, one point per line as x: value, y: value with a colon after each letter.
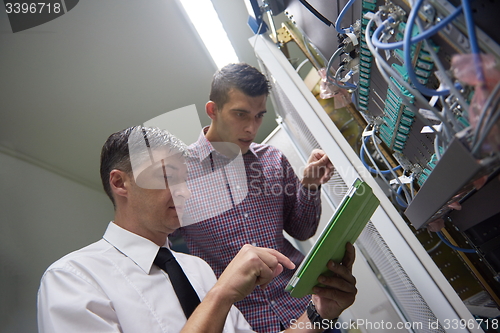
x: 204, y: 148
x: 251, y: 149
x: 141, y: 250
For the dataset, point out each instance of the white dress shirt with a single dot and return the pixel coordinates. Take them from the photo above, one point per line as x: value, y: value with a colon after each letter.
x: 113, y: 286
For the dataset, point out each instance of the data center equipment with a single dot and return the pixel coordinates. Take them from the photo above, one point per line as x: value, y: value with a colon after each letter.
x: 404, y: 94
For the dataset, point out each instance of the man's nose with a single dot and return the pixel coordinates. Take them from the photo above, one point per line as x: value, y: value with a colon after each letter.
x: 251, y: 127
x: 181, y: 190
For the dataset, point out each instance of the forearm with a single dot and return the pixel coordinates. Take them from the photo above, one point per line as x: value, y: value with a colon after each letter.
x: 211, y: 313
x: 303, y: 218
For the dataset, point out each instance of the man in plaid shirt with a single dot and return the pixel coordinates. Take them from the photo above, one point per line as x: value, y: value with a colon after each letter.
x: 252, y: 204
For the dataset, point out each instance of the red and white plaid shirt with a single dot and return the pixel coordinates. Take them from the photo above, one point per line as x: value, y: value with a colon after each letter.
x: 275, y: 201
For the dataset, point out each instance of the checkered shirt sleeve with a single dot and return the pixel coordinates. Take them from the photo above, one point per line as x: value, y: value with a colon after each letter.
x: 275, y: 201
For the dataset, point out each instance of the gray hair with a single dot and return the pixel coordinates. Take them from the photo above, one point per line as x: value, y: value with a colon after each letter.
x: 137, y: 141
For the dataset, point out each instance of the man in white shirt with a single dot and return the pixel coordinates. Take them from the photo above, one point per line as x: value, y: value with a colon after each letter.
x: 113, y: 286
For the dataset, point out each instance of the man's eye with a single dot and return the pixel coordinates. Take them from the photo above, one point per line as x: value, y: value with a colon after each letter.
x: 260, y: 115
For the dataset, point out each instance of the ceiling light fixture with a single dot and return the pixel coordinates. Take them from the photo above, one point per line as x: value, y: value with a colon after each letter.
x: 209, y: 27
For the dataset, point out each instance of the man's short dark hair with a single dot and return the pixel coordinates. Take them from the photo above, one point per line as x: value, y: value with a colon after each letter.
x: 240, y: 76
x: 115, y: 151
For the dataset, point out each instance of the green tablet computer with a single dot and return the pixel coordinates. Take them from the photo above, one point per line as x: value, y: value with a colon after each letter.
x: 345, y: 226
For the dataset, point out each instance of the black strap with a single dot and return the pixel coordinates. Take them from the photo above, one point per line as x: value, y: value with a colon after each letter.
x: 183, y: 289
x: 316, y: 13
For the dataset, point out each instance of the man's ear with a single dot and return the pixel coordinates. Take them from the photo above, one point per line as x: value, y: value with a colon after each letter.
x: 119, y: 182
x: 211, y: 109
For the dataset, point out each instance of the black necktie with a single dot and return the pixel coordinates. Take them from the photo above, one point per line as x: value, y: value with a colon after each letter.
x: 183, y: 289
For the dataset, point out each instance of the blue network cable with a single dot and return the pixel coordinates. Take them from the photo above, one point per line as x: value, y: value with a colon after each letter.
x: 333, y: 79
x: 346, y: 85
x: 334, y: 56
x: 341, y: 16
x: 407, y: 55
x: 469, y: 20
x: 471, y: 31
x: 407, y: 47
x: 440, y: 235
x: 372, y: 170
x: 424, y: 35
x: 398, y: 197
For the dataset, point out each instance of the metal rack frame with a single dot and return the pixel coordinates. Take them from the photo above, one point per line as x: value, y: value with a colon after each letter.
x: 422, y: 272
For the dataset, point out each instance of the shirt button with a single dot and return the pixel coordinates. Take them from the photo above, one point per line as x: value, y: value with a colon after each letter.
x: 273, y: 302
x: 254, y: 244
x: 245, y: 215
x: 237, y: 187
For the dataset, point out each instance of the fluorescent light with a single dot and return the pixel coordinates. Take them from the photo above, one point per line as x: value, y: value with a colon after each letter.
x: 206, y: 21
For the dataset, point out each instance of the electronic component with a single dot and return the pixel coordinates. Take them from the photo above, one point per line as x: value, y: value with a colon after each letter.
x: 431, y: 137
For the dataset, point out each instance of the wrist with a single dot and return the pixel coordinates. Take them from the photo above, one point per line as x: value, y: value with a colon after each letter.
x: 311, y: 187
x: 210, y: 315
x: 304, y: 325
x: 315, y: 317
x: 218, y: 297
x: 312, y: 314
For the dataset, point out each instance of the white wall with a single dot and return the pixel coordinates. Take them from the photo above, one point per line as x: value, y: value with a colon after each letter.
x: 43, y: 217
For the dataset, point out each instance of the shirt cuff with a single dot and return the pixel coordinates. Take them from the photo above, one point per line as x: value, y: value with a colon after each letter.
x: 312, y: 194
